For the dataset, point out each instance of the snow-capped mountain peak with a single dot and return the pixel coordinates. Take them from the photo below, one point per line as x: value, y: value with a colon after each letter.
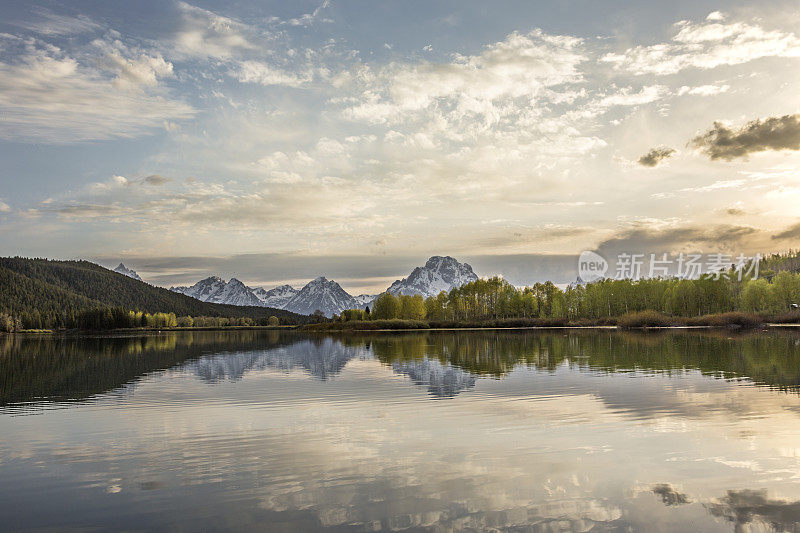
x: 321, y: 294
x: 277, y: 297
x: 125, y: 271
x: 214, y: 289
x: 438, y: 274
x: 364, y: 300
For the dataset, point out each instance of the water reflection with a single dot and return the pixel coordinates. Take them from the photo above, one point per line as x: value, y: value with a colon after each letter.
x: 755, y: 508
x: 546, y: 431
x: 321, y: 358
x: 76, y: 368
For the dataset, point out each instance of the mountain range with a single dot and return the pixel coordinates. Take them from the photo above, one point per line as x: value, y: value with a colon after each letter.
x: 438, y: 274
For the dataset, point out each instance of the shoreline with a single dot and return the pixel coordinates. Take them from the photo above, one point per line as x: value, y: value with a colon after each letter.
x: 524, y: 328
x: 80, y: 333
x: 86, y: 332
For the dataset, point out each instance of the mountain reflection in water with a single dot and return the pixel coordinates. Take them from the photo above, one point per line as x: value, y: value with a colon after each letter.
x: 542, y: 431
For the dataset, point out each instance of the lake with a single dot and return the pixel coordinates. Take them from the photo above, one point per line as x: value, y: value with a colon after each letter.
x: 560, y: 430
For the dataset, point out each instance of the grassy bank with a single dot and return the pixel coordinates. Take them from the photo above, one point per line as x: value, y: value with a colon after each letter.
x: 644, y: 319
x: 76, y: 331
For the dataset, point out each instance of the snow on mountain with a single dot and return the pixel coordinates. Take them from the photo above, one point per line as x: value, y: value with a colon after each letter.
x: 363, y: 300
x: 125, y: 271
x: 236, y: 293
x: 439, y: 274
x: 321, y: 294
x: 203, y: 289
x: 215, y: 290
x: 277, y: 297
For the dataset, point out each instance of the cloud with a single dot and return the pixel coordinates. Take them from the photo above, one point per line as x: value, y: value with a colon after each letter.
x: 655, y: 156
x: 646, y: 237
x: 265, y: 74
x: 144, y: 70
x: 706, y: 45
x: 49, y: 23
x: 48, y: 96
x: 522, y: 65
x: 205, y: 34
x: 309, y: 18
x: 790, y: 233
x: 4, y: 207
x: 703, y: 90
x: 773, y: 133
x: 156, y: 180
x: 627, y: 98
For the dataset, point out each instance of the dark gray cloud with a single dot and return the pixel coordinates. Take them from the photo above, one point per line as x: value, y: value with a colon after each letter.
x: 696, y: 238
x: 773, y: 133
x: 156, y: 179
x: 655, y: 156
x: 792, y: 232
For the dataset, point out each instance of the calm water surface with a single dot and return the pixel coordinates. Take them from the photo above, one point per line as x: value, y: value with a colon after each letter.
x: 508, y: 431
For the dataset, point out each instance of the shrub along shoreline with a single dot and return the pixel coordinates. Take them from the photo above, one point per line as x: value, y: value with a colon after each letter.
x: 638, y: 320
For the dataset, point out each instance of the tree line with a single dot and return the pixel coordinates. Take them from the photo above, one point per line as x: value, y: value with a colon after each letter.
x: 494, y: 298
x: 106, y: 318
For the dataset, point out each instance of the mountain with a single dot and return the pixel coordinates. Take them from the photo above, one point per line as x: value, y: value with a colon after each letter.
x: 125, y: 271
x: 54, y: 288
x: 439, y: 274
x: 277, y: 297
x: 364, y: 300
x: 321, y: 294
x: 215, y: 290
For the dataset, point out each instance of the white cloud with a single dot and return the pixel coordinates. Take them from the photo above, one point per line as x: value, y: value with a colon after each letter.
x: 4, y: 207
x: 626, y: 97
x: 48, y: 96
x: 520, y: 66
x: 203, y: 33
x: 309, y: 18
x: 717, y: 185
x: 704, y: 90
x: 264, y: 74
x: 142, y: 69
x: 706, y: 45
x: 49, y: 23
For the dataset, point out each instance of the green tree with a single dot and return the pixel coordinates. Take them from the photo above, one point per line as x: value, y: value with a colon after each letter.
x: 387, y: 306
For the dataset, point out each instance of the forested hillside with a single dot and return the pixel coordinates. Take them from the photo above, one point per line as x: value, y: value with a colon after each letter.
x: 52, y: 294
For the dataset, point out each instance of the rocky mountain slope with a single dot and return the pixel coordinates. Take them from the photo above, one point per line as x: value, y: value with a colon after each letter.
x: 321, y: 294
x: 438, y: 274
x: 277, y: 297
x: 215, y: 290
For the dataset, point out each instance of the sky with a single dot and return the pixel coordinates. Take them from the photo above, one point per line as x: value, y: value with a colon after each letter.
x: 279, y: 141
